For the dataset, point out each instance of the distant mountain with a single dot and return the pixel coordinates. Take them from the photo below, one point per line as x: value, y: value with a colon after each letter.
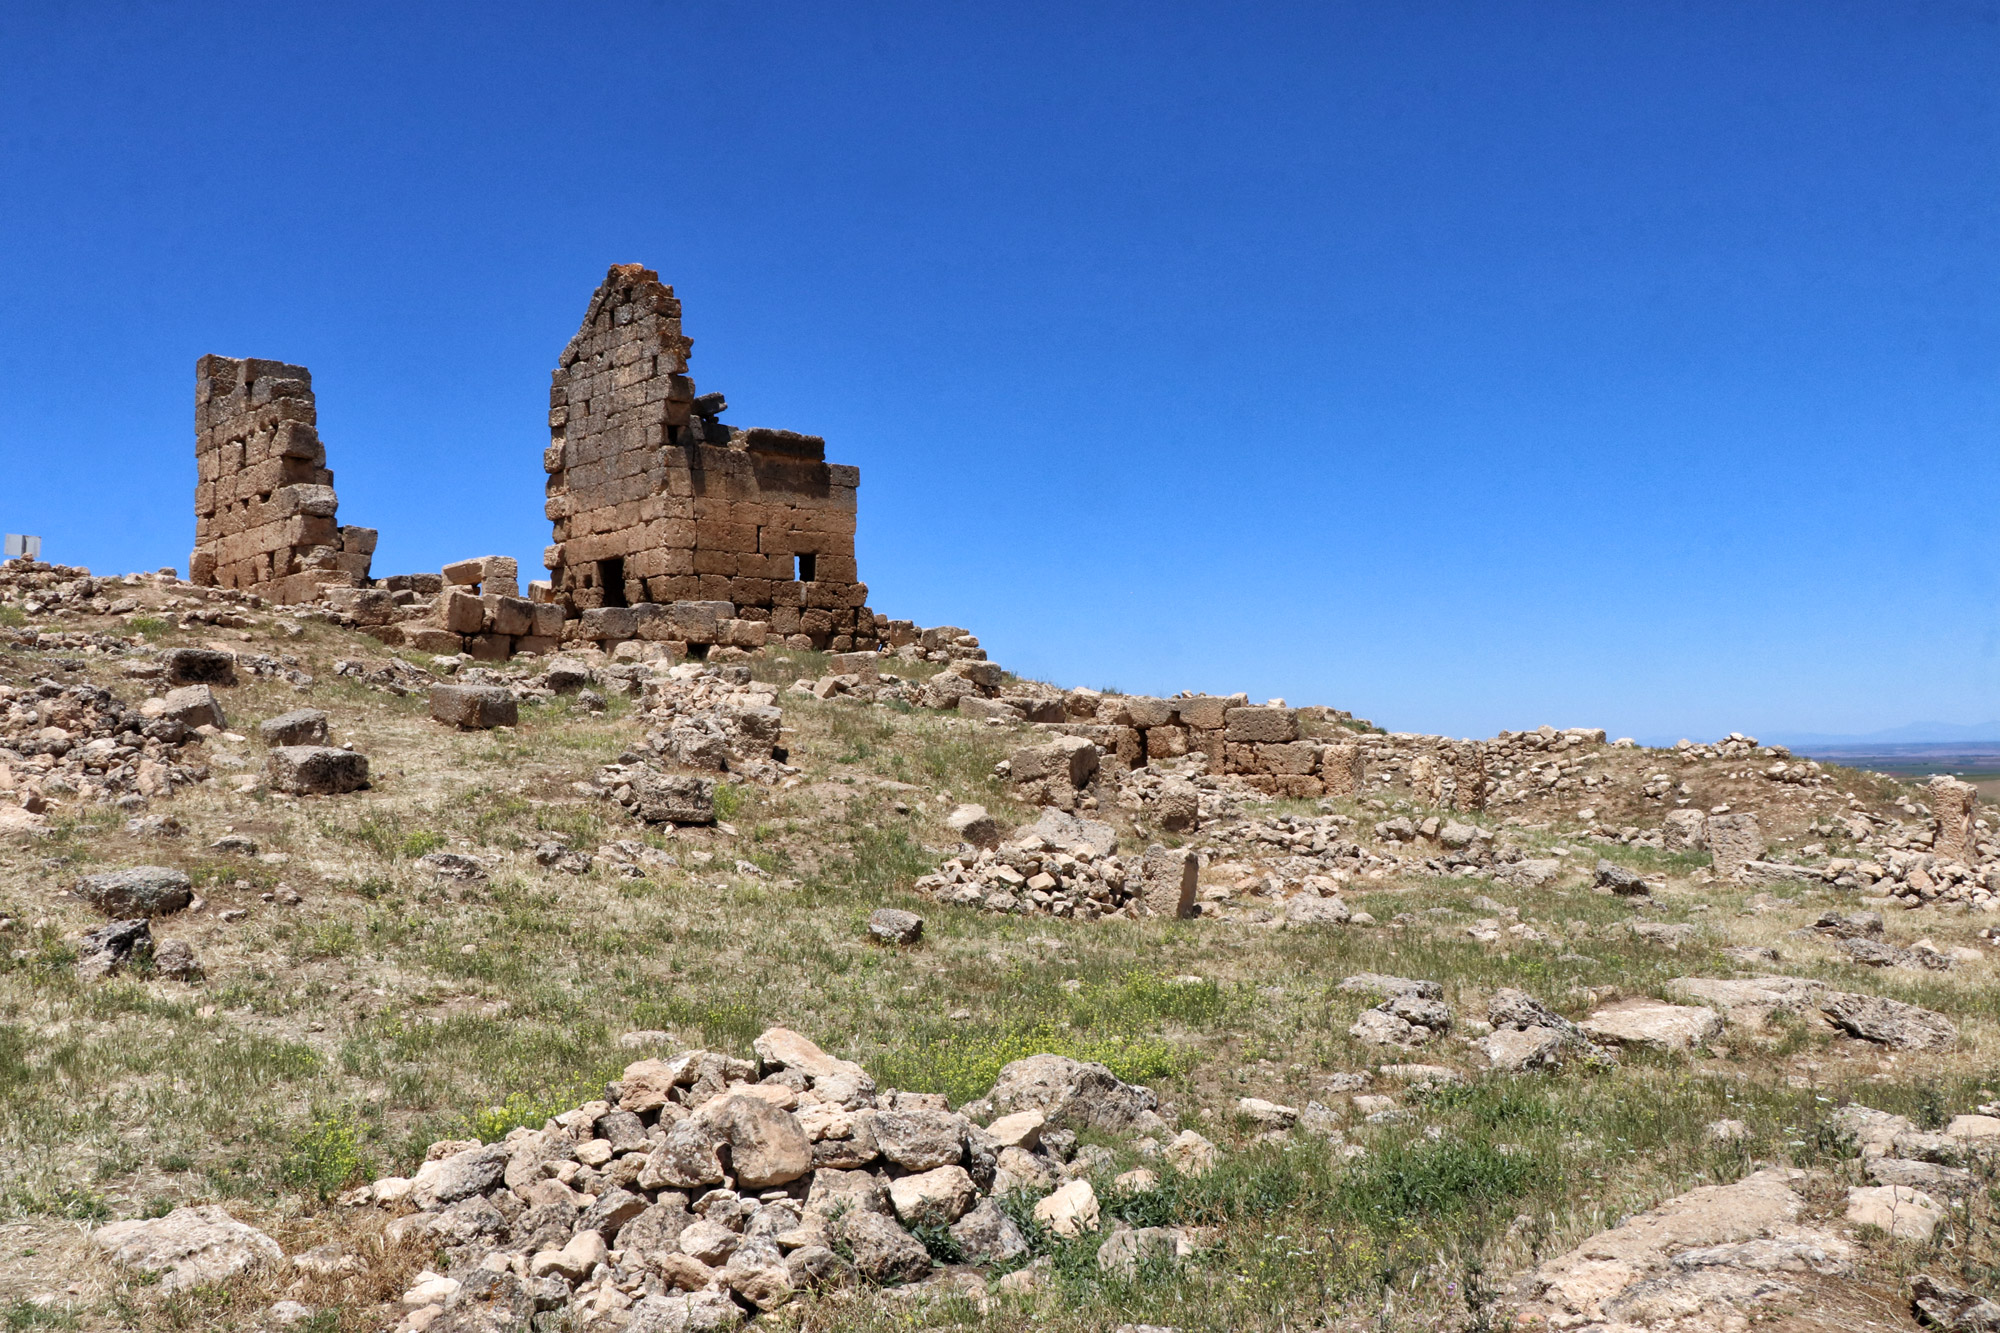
x: 1913, y: 733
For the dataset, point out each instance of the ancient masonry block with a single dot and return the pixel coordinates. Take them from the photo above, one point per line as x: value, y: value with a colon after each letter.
x: 654, y: 500
x: 263, y: 497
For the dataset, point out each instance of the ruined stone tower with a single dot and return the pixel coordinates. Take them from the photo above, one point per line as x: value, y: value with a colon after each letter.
x: 654, y: 500
x: 263, y: 498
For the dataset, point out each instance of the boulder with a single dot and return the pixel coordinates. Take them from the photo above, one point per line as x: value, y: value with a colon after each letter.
x: 1070, y: 1211
x: 303, y: 726
x: 1889, y: 1022
x: 1167, y: 881
x: 1518, y: 1050
x: 920, y: 1140
x: 767, y: 1145
x: 1071, y: 760
x: 883, y: 1252
x: 1071, y: 1094
x: 189, y: 1247
x: 200, y: 666
x: 893, y: 925
x: 1902, y: 1212
x: 1653, y: 1023
x: 1685, y: 831
x: 674, y: 798
x: 1952, y: 1309
x: 986, y: 1235
x: 315, y: 770
x: 1126, y: 1252
x: 140, y: 891
x: 1022, y: 1129
x: 1190, y: 1154
x: 937, y: 1197
x: 1734, y: 841
x: 1306, y: 910
x: 973, y: 825
x: 1072, y: 834
x: 1614, y: 878
x: 474, y: 707
x: 113, y: 948
x: 460, y: 1175
x: 194, y: 706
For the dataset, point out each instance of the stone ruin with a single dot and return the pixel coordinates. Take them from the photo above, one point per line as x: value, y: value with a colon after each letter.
x: 263, y: 500
x: 655, y: 501
x: 669, y: 526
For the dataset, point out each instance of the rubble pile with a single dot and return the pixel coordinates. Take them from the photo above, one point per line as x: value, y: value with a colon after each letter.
x: 83, y: 742
x: 1059, y: 866
x: 704, y: 1190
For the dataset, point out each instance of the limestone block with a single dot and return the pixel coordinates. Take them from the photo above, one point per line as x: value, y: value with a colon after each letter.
x: 474, y: 707
x: 1260, y: 725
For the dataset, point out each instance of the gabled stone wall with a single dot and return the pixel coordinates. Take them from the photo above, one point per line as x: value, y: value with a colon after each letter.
x: 654, y: 500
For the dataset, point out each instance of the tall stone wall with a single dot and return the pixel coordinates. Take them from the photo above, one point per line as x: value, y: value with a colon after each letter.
x: 263, y: 501
x: 655, y: 500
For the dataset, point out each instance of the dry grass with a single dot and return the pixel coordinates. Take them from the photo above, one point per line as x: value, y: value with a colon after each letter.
x: 335, y: 1039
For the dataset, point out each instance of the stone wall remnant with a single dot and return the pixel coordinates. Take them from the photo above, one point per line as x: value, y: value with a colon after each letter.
x: 655, y: 501
x: 264, y: 501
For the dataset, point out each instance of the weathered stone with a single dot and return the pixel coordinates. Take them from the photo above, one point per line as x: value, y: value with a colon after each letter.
x: 1642, y: 1022
x: 1073, y: 1095
x: 1621, y: 881
x: 459, y: 1176
x: 973, y: 825
x: 893, y: 925
x: 1733, y: 842
x: 140, y: 891
x: 194, y: 706
x: 1304, y: 909
x: 199, y: 666
x: 1022, y: 1129
x: 1889, y: 1022
x: 1168, y: 880
x: 1190, y: 1153
x: 1126, y: 1253
x: 1952, y: 805
x: 936, y: 1197
x: 1517, y: 1050
x: 986, y: 1235
x: 883, y: 1252
x: 474, y: 707
x: 189, y: 1247
x: 1685, y: 831
x: 304, y: 726
x: 1952, y: 1309
x: 1904, y: 1213
x: 111, y: 949
x: 315, y: 770
x: 1069, y: 759
x: 1070, y: 1211
x: 674, y: 798
x: 920, y: 1140
x: 767, y: 1146
x: 1070, y: 833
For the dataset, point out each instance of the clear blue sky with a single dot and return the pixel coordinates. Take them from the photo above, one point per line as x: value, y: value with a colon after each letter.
x: 1468, y: 365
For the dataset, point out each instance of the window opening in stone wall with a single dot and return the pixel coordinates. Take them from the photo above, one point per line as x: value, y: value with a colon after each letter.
x: 808, y: 567
x: 611, y: 577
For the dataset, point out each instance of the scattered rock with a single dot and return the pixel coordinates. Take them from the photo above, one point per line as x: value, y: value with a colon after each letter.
x: 1952, y: 1309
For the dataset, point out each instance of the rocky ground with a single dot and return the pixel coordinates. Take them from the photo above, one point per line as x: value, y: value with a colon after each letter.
x: 580, y: 1010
